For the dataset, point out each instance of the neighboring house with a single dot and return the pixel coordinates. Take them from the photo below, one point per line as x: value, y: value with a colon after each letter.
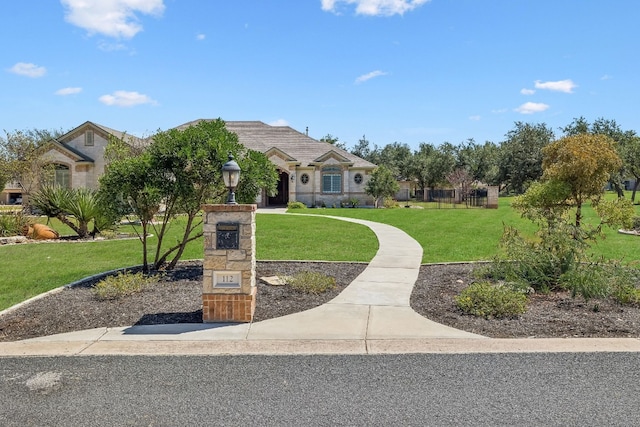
x: 313, y: 172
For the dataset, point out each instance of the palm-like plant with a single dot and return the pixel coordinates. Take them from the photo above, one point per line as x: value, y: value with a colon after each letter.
x: 76, y: 208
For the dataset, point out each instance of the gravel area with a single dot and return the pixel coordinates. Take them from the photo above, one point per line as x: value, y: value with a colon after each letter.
x: 176, y: 298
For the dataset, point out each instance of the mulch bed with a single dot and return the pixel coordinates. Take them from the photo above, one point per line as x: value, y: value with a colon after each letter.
x: 176, y: 298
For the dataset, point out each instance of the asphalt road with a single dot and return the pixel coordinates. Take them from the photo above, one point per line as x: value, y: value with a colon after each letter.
x: 563, y: 389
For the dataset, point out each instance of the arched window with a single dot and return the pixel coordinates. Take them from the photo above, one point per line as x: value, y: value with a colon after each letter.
x: 332, y: 179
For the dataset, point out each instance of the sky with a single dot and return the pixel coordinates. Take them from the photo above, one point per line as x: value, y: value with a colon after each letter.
x: 407, y: 71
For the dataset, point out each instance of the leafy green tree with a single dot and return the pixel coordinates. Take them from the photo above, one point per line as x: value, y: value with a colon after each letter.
x: 364, y: 151
x: 576, y: 168
x: 397, y: 158
x: 520, y: 160
x: 430, y: 166
x: 480, y: 161
x: 4, y: 171
x: 584, y: 163
x: 333, y: 140
x: 22, y: 158
x: 180, y: 171
x: 132, y: 188
x: 624, y: 144
x: 381, y: 184
x: 630, y: 154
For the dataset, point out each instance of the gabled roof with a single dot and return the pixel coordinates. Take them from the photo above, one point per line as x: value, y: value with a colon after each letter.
x: 297, y: 146
x: 275, y: 151
x: 71, y: 152
x: 332, y: 155
x: 104, y: 131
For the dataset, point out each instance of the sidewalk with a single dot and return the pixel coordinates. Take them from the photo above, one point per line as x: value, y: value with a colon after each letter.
x: 371, y: 316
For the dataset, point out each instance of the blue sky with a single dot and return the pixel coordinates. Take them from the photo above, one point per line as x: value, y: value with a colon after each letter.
x: 407, y: 71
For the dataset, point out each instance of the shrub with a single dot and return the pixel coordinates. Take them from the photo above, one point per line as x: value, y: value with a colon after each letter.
x: 589, y: 281
x: 354, y: 202
x: 627, y: 295
x: 390, y: 203
x: 120, y: 285
x: 296, y: 205
x: 537, y: 263
x: 12, y: 224
x: 484, y: 299
x: 311, y: 282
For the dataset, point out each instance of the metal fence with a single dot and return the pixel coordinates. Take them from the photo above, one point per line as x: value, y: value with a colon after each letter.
x: 447, y: 198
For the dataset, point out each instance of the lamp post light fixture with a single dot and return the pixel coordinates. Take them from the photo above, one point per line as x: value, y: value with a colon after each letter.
x: 231, y: 176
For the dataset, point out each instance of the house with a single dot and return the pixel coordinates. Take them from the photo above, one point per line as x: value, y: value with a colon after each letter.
x: 313, y: 172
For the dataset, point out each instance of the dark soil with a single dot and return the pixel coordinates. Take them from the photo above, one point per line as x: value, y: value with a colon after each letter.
x: 176, y: 298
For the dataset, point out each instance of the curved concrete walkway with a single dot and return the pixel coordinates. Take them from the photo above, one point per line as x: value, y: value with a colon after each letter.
x: 371, y: 315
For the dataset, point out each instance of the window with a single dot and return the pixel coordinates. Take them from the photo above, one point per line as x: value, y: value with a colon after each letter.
x: 358, y: 178
x: 304, y: 178
x: 88, y: 138
x: 62, y: 177
x: 332, y: 179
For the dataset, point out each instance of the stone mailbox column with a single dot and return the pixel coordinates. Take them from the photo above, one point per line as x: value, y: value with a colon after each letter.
x: 229, y: 278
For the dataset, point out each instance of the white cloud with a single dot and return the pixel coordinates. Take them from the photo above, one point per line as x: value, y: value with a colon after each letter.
x: 531, y: 108
x: 279, y: 122
x: 121, y: 98
x: 474, y: 118
x: 111, y: 47
x: 28, y: 69
x: 201, y: 37
x: 370, y: 76
x: 606, y: 77
x: 375, y: 7
x: 112, y: 18
x: 565, y: 86
x: 527, y: 91
x: 68, y: 91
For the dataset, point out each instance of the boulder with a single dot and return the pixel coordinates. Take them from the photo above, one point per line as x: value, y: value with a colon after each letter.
x: 41, y: 232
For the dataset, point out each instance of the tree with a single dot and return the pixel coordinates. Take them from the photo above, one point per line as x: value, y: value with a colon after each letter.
x: 481, y: 161
x: 430, y: 165
x: 362, y: 150
x: 461, y: 179
x: 182, y: 170
x: 381, y: 184
x: 630, y: 154
x: 584, y: 163
x: 131, y: 186
x: 397, y: 158
x: 333, y: 140
x: 23, y: 160
x: 625, y: 141
x: 576, y: 168
x: 520, y: 160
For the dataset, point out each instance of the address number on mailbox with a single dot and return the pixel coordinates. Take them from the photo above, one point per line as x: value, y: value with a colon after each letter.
x: 226, y: 279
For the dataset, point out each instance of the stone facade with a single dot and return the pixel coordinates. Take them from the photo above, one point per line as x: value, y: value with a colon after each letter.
x: 229, y: 280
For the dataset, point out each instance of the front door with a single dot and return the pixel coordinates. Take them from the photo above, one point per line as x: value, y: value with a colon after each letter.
x: 282, y: 191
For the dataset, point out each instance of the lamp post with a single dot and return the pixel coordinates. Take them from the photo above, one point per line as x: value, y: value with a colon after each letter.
x: 231, y: 176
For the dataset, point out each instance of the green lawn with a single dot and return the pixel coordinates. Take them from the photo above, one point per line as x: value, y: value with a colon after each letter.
x: 445, y: 234
x: 463, y: 234
x: 29, y: 270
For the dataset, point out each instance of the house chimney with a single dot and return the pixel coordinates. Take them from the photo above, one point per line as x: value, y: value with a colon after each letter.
x: 306, y: 132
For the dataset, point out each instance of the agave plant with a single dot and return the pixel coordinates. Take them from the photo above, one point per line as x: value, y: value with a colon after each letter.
x: 76, y: 208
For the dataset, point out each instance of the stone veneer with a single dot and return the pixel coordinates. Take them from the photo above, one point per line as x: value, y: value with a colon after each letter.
x: 235, y: 303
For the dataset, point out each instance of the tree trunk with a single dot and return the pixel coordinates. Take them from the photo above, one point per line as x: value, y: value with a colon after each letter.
x: 635, y: 188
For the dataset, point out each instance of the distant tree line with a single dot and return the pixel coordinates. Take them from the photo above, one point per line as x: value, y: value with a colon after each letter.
x: 512, y: 165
